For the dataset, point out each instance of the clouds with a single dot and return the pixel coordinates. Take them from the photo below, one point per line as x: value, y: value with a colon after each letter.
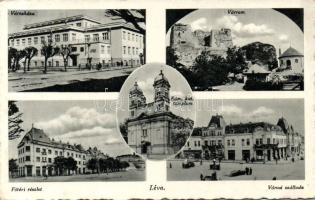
x: 236, y: 112
x: 199, y: 24
x: 244, y: 30
x: 284, y: 38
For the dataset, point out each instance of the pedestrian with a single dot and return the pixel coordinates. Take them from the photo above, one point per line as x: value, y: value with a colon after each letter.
x: 250, y: 171
x: 246, y: 170
x: 201, y: 177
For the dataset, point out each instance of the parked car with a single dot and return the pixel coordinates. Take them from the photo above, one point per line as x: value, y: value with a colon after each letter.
x: 237, y: 173
x: 189, y: 164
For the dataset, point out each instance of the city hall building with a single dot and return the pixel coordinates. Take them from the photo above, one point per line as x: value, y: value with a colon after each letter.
x: 117, y: 43
x: 244, y: 141
x: 152, y: 127
x: 36, y: 154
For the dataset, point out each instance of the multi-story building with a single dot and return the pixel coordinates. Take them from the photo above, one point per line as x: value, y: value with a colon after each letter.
x: 117, y: 43
x: 244, y: 141
x: 36, y: 154
x: 152, y: 128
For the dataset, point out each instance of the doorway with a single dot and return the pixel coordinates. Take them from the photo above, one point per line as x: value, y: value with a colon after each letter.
x: 144, y: 147
x: 231, y: 154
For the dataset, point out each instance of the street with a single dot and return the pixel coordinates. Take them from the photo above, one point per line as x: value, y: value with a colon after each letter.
x: 76, y: 81
x: 129, y: 175
x: 282, y: 171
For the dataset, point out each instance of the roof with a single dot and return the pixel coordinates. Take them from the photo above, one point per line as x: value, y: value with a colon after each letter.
x: 256, y: 69
x: 135, y: 89
x: 218, y: 121
x: 160, y: 78
x: 291, y: 52
x: 250, y: 127
x: 60, y: 21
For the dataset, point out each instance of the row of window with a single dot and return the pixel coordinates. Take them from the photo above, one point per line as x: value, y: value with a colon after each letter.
x: 212, y: 133
x: 280, y: 141
x: 131, y: 36
x: 60, y: 153
x: 130, y: 50
x: 21, y: 150
x: 24, y: 159
x: 58, y: 38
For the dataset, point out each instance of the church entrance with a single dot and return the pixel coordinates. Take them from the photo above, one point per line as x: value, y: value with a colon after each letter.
x: 144, y: 147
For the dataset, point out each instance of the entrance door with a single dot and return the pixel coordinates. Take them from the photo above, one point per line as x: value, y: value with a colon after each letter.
x: 29, y: 171
x: 231, y: 154
x: 74, y: 59
x: 144, y: 147
x: 246, y: 155
x: 268, y: 155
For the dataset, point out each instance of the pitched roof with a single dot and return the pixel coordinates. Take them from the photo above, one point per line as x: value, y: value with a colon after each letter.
x: 291, y: 52
x: 250, y: 127
x: 218, y: 121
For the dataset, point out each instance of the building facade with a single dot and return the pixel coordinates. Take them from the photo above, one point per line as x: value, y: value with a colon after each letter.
x: 291, y: 59
x: 259, y: 141
x: 118, y: 43
x: 36, y: 154
x: 188, y: 44
x: 152, y: 128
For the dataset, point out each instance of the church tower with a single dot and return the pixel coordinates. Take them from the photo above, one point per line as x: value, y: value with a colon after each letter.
x: 137, y: 100
x: 161, y: 93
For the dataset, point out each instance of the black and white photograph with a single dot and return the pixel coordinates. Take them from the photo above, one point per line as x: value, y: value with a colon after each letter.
x: 74, y: 50
x: 237, y: 49
x: 156, y: 111
x: 243, y: 139
x: 68, y: 141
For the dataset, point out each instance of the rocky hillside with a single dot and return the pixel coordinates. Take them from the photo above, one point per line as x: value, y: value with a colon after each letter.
x: 264, y: 54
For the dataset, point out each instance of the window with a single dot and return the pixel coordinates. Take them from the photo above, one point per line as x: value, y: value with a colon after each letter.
x: 17, y: 42
x: 195, y: 143
x: 12, y: 42
x: 81, y: 49
x: 42, y: 39
x: 257, y: 142
x: 35, y: 40
x: 268, y: 140
x: 57, y: 63
x: 206, y: 142
x: 60, y: 153
x: 187, y: 144
x: 105, y: 36
x: 296, y: 60
x: 198, y: 143
x: 56, y: 153
x: 49, y: 160
x: 102, y: 49
x: 247, y: 142
x: 136, y: 38
x: 124, y: 49
x: 65, y: 37
x: 37, y: 171
x: 133, y: 51
x: 71, y: 154
x: 44, y: 159
x: 228, y: 142
x: 124, y: 35
x: 57, y: 38
x: 27, y: 158
x: 87, y: 38
x: 133, y: 37
x: 29, y: 41
x: 128, y: 36
x: 95, y: 37
x: 233, y: 142
x: 68, y: 154
x: 79, y: 24
x: 243, y: 142
x: 128, y: 50
x: 38, y: 150
x: 49, y: 151
x: 74, y: 37
x: 37, y: 159
x: 27, y: 148
x: 137, y: 51
x: 23, y: 42
x: 49, y: 38
x: 83, y: 157
x: 144, y: 132
x: 260, y: 141
x: 219, y: 142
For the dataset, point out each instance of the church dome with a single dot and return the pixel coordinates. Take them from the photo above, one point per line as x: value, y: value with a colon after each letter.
x: 136, y: 88
x: 161, y: 78
x: 291, y: 52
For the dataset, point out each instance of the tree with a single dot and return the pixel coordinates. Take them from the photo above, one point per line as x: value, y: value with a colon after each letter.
x: 60, y: 164
x: 48, y: 50
x: 92, y: 164
x: 13, y: 167
x: 30, y: 53
x: 65, y: 51
x: 15, y: 56
x: 71, y: 164
x: 134, y: 16
x: 14, y: 120
x: 171, y: 57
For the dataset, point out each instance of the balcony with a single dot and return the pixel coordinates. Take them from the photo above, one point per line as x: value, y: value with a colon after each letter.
x: 266, y: 146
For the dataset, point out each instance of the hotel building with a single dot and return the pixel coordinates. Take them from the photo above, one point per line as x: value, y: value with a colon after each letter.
x: 111, y: 44
x: 245, y: 141
x: 36, y: 154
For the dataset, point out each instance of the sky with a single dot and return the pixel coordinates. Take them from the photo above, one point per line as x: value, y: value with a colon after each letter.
x: 264, y: 25
x: 90, y: 123
x: 145, y: 76
x: 252, y: 110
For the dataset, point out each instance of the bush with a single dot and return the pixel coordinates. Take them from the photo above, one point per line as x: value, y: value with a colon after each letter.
x: 258, y: 85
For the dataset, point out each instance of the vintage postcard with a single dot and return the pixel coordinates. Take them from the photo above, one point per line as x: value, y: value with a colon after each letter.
x: 144, y: 99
